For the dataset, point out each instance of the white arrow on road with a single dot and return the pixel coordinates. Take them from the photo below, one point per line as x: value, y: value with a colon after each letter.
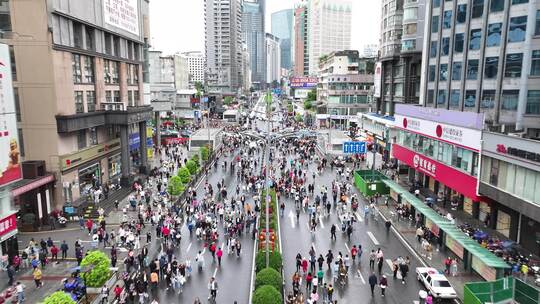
x: 291, y: 216
x: 361, y: 277
x: 372, y: 237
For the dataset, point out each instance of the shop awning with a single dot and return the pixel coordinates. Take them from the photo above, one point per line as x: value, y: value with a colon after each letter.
x: 450, y: 229
x: 26, y: 185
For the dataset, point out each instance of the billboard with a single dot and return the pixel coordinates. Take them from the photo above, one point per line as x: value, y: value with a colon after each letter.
x: 304, y: 82
x: 123, y: 14
x: 456, y: 118
x: 10, y: 168
x: 377, y: 80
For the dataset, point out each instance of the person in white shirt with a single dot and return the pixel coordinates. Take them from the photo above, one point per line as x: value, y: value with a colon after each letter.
x: 20, y: 292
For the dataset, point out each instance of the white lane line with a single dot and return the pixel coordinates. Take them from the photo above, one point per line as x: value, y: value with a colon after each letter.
x: 222, y: 245
x: 391, y: 265
x: 347, y: 246
x: 320, y: 220
x: 360, y: 219
x: 313, y: 245
x: 291, y: 216
x: 204, y: 250
x: 215, y: 271
x: 307, y: 224
x: 188, y: 247
x: 361, y: 277
x: 372, y: 237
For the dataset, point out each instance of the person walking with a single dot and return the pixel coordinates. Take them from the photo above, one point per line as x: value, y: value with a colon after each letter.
x: 372, y: 257
x: 20, y: 292
x: 213, y: 287
x: 37, y: 277
x: 64, y: 249
x: 333, y: 232
x: 372, y: 282
x: 383, y: 284
x: 219, y: 254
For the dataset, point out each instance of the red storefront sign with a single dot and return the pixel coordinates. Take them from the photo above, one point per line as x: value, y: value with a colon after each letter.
x: 8, y: 224
x: 175, y: 140
x: 455, y: 179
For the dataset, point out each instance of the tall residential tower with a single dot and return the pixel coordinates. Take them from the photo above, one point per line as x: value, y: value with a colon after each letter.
x: 253, y: 35
x: 282, y: 27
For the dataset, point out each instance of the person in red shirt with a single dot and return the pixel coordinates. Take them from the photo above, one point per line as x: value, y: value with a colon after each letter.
x: 309, y: 280
x: 118, y: 291
x: 89, y: 225
x: 354, y: 252
x: 219, y: 255
x: 54, y: 252
x: 213, y: 251
x: 304, y: 265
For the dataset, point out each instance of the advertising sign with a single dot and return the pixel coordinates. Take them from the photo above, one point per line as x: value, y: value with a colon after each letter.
x: 68, y: 161
x: 488, y: 273
x: 304, y: 82
x: 453, y: 178
x: 134, y: 141
x: 354, y: 147
x: 123, y: 14
x: 464, y: 137
x: 377, y: 80
x: 521, y: 151
x: 10, y: 168
x: 8, y: 224
x: 432, y: 227
x: 456, y: 118
x: 454, y: 246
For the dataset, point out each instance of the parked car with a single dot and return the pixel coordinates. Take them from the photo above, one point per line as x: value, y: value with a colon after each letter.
x: 435, y: 283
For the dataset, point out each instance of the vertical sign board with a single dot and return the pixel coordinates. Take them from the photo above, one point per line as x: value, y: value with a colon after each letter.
x: 10, y: 168
x: 377, y: 79
x: 123, y: 14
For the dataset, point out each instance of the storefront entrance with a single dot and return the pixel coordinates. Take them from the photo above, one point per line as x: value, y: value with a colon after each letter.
x: 89, y: 177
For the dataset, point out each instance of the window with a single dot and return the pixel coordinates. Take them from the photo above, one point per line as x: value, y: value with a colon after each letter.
x: 17, y: 102
x: 108, y: 96
x: 513, y: 65
x: 488, y: 99
x: 91, y: 101
x: 458, y: 42
x: 93, y: 136
x: 436, y: 3
x: 535, y: 63
x: 430, y: 96
x: 115, y: 71
x: 491, y: 67
x: 108, y: 43
x: 456, y: 71
x: 510, y: 100
x: 441, y: 97
x: 90, y: 39
x: 410, y: 13
x: 537, y: 26
x: 496, y: 6
x: 409, y: 29
x: 130, y: 98
x: 5, y: 16
x: 434, y: 24
x: 13, y: 62
x: 519, y: 1
x: 88, y: 69
x: 445, y: 46
x: 443, y: 72
x: 470, y: 99
x: 431, y: 73
x: 433, y: 49
x: 136, y: 97
x: 454, y: 98
x: 517, y: 29
x: 77, y: 35
x: 116, y: 97
x: 447, y: 20
x: 474, y: 41
x: 21, y: 142
x: 477, y: 8
x: 494, y: 34
x: 533, y: 102
x: 76, y: 64
x: 110, y: 72
x: 79, y: 106
x: 472, y: 69
x: 81, y: 139
x: 408, y: 45
x: 461, y: 14
x: 116, y: 41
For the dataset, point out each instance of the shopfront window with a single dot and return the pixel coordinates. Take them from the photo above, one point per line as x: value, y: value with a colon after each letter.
x: 89, y: 177
x: 115, y: 166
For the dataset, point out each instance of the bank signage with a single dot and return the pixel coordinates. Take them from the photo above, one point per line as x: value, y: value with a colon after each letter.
x: 521, y: 151
x: 461, y: 119
x: 453, y: 178
x: 465, y: 137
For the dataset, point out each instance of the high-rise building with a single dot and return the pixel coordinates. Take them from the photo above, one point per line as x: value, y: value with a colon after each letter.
x: 329, y: 29
x: 196, y: 64
x: 223, y: 45
x: 246, y: 69
x: 402, y: 32
x: 181, y: 72
x: 78, y: 93
x: 253, y: 16
x: 273, y: 59
x: 301, y: 50
x: 371, y: 50
x: 282, y: 27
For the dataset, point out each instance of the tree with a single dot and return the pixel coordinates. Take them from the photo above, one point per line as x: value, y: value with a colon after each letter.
x: 99, y: 264
x: 267, y: 294
x: 191, y: 166
x: 184, y: 175
x: 312, y: 95
x: 268, y: 276
x: 205, y: 153
x: 299, y: 118
x: 228, y: 100
x: 59, y: 297
x: 196, y: 159
x: 308, y: 105
x: 199, y: 87
x: 175, y: 187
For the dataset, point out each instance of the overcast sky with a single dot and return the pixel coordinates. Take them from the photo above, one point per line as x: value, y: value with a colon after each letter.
x: 178, y: 25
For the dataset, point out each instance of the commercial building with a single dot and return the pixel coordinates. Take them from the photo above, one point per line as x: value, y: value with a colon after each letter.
x: 345, y: 84
x: 196, y: 63
x: 484, y: 57
x: 370, y: 50
x: 246, y: 70
x: 78, y: 77
x: 181, y: 72
x: 161, y: 71
x: 400, y: 60
x: 253, y: 33
x: 329, y: 29
x: 282, y: 27
x: 273, y: 59
x: 223, y: 45
x: 301, y: 53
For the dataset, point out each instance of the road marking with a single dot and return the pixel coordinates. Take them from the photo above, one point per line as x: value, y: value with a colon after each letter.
x: 313, y: 245
x: 320, y: 220
x: 391, y: 265
x: 360, y: 219
x: 307, y: 224
x: 372, y: 237
x: 204, y: 250
x: 215, y: 271
x: 361, y: 277
x: 291, y: 216
x: 188, y: 247
x: 347, y: 246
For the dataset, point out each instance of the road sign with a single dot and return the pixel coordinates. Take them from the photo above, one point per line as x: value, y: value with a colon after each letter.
x: 353, y: 147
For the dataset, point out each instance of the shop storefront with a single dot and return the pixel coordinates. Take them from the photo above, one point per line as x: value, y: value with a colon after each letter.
x: 115, y: 166
x: 8, y: 236
x: 89, y: 177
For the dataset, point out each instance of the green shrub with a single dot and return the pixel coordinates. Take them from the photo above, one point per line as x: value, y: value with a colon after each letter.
x: 205, y: 153
x: 267, y: 295
x: 191, y: 166
x: 59, y: 297
x: 100, y: 272
x: 184, y: 175
x: 274, y: 263
x: 175, y: 187
x: 268, y: 276
x: 196, y: 159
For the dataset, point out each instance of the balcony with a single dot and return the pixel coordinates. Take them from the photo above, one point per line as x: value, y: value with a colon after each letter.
x: 110, y: 113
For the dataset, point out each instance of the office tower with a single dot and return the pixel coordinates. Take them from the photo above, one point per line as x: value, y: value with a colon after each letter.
x: 282, y: 27
x: 254, y: 36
